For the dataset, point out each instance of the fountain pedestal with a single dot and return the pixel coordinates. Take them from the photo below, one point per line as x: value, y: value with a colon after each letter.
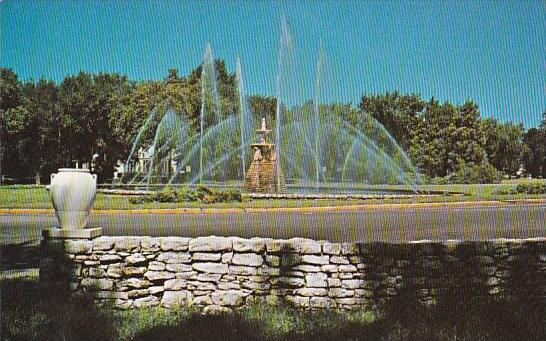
x: 264, y: 174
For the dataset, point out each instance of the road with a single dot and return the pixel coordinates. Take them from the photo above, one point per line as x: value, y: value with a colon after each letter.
x: 382, y: 224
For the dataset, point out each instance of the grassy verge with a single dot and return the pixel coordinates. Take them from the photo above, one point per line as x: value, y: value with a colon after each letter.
x: 33, y: 312
x: 38, y: 197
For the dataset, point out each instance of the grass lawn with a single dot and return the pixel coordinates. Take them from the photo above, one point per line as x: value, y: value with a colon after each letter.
x: 38, y: 197
x: 31, y: 311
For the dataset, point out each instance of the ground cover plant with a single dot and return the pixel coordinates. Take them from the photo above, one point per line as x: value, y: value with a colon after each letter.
x: 34, y: 312
x: 200, y: 194
x: 37, y: 197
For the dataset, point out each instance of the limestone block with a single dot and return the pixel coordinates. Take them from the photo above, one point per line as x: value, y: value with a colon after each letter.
x: 319, y: 260
x: 136, y: 258
x: 256, y: 286
x: 97, y: 283
x: 351, y: 301
x: 127, y: 244
x: 340, y: 292
x: 367, y: 293
x: 106, y: 259
x: 175, y: 284
x: 347, y: 268
x: 273, y: 260
x: 207, y: 277
x: 305, y: 246
x: 269, y: 271
x: 330, y: 268
x: 174, y: 257
x: 138, y: 293
x: 311, y: 292
x: 492, y: 281
x: 96, y: 272
x: 288, y: 281
x: 276, y: 245
x: 203, y: 300
x: 91, y: 262
x: 242, y: 270
x: 78, y: 246
x: 176, y: 298
x: 349, y: 249
x: 185, y: 274
x: 215, y: 268
x: 298, y: 301
x: 133, y: 271
x: 307, y: 268
x: 248, y: 259
x: 178, y: 267
x: 322, y: 302
x: 156, y: 266
x: 123, y: 304
x: 103, y: 243
x: 359, y: 259
x: 173, y: 243
x: 255, y: 245
x: 135, y: 283
x: 228, y: 285
x: 114, y: 270
x: 216, y: 310
x: 202, y: 256
x: 226, y: 257
x: 316, y: 280
x: 331, y: 248
x: 230, y: 298
x: 150, y: 244
x: 156, y: 290
x: 352, y: 283
x: 148, y: 301
x: 333, y: 282
x: 210, y: 244
x: 339, y: 260
x: 110, y: 295
x: 158, y: 275
x: 201, y: 286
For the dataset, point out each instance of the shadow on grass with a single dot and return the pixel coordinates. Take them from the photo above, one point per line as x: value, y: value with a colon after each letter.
x: 18, y: 256
x: 31, y: 311
x: 34, y: 312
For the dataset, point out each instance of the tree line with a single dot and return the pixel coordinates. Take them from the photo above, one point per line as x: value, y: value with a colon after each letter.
x: 46, y: 125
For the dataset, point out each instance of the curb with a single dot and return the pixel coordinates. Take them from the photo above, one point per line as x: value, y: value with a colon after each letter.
x: 462, y: 204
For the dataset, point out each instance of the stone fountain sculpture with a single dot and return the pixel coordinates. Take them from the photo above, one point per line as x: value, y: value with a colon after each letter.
x: 264, y: 174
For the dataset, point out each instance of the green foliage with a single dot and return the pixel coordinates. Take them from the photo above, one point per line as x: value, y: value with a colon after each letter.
x: 187, y: 194
x: 483, y: 173
x: 526, y: 188
x: 45, y: 126
x: 398, y: 113
x: 42, y: 313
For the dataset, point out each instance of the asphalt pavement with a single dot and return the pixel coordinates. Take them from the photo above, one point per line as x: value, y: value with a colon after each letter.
x: 464, y: 222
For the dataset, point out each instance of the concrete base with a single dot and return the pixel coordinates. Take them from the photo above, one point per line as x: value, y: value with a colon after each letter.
x: 87, y: 233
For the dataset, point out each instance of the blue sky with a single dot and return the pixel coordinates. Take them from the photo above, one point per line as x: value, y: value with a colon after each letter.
x: 491, y: 51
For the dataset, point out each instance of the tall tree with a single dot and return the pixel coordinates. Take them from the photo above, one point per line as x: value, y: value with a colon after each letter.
x: 398, y: 113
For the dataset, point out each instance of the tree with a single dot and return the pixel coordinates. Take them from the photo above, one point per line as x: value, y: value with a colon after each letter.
x: 397, y: 113
x: 447, y: 137
x: 534, y: 150
x: 504, y: 144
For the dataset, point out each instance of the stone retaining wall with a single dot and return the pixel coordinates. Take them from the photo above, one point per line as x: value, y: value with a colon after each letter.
x: 221, y: 273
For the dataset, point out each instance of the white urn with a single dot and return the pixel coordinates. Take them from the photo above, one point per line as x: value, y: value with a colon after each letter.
x: 72, y: 192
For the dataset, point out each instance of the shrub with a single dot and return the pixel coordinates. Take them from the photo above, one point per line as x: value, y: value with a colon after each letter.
x: 199, y: 194
x: 476, y: 174
x: 534, y: 188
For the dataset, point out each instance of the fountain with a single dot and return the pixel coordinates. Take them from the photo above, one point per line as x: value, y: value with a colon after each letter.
x: 317, y: 147
x: 264, y: 174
